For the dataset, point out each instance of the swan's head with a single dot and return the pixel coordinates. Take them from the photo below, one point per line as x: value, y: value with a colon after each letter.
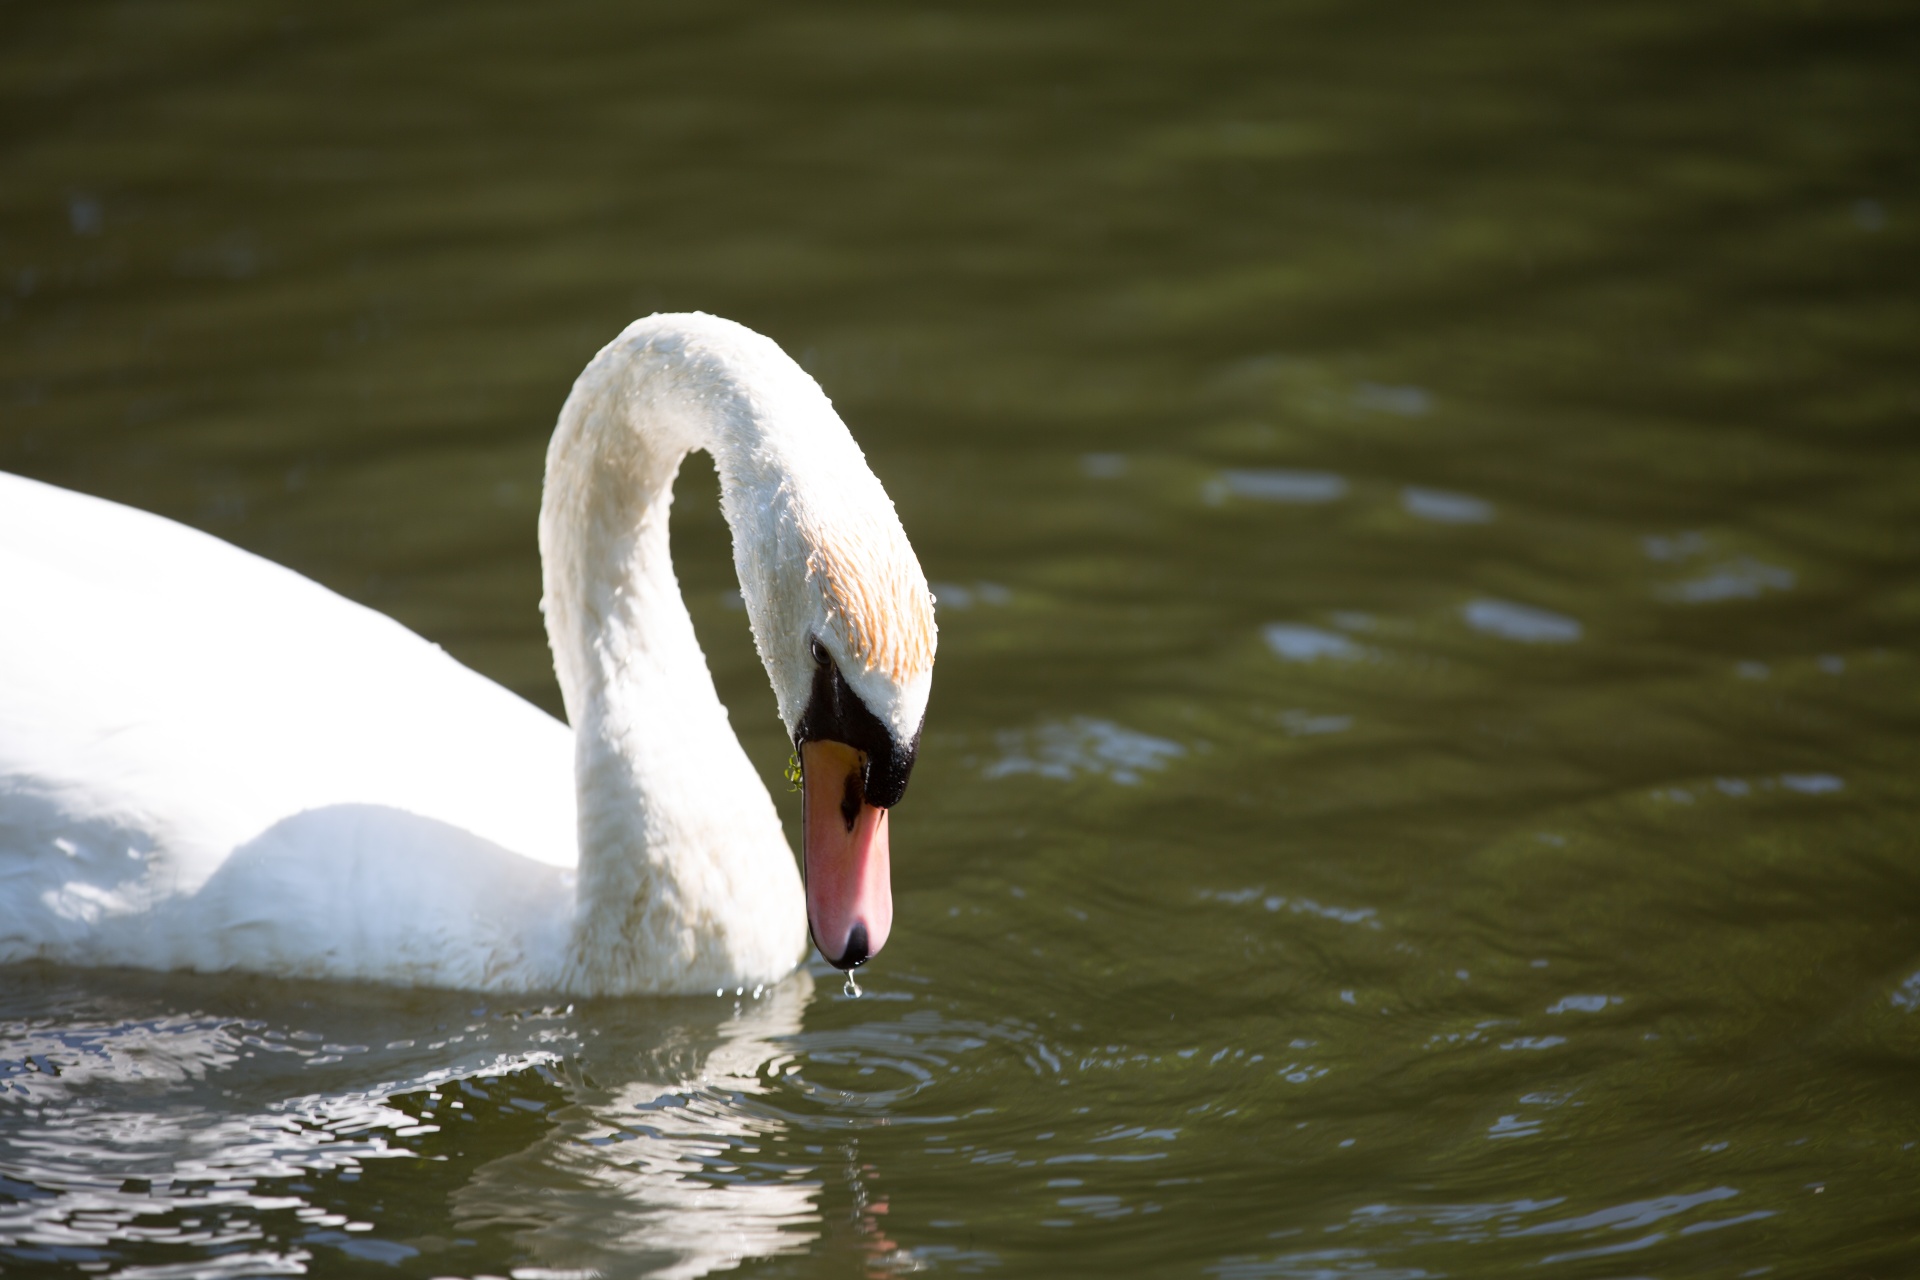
x: 852, y: 665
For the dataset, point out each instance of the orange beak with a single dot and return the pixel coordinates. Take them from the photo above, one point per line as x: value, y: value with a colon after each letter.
x: 844, y: 853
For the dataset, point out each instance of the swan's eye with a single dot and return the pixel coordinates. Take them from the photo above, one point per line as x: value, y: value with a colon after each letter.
x: 821, y: 657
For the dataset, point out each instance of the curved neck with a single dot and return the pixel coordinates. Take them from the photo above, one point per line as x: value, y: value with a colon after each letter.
x: 686, y: 881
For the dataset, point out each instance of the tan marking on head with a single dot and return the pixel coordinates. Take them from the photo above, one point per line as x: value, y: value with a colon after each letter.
x: 875, y: 588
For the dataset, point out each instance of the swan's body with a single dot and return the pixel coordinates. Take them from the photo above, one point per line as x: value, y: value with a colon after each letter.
x: 209, y: 762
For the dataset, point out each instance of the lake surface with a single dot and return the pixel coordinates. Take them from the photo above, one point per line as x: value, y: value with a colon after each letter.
x: 1425, y: 509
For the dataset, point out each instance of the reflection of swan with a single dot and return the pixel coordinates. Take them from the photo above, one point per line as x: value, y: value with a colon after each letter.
x: 631, y: 1176
x: 208, y: 762
x: 133, y: 1119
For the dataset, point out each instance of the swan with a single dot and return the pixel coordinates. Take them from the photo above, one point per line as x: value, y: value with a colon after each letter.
x: 210, y: 763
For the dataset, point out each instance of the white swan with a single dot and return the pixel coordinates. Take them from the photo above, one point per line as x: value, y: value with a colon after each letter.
x: 209, y: 762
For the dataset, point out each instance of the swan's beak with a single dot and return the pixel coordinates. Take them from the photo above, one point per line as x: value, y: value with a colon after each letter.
x: 844, y: 849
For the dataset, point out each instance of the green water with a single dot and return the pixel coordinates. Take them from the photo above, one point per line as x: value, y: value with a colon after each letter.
x: 1426, y: 508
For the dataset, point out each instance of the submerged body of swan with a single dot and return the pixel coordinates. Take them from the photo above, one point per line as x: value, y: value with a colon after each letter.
x: 208, y: 762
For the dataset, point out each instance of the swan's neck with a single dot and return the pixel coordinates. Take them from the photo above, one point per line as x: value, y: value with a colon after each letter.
x: 686, y: 881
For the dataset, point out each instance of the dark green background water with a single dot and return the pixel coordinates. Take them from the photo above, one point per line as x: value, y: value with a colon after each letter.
x: 1426, y: 509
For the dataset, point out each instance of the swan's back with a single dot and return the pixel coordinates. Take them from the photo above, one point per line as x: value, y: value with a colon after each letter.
x: 208, y: 761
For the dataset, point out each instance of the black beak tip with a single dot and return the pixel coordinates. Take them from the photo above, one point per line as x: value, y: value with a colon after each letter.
x: 856, y: 953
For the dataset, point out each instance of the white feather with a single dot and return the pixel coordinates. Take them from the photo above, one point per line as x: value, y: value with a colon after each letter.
x: 209, y: 762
